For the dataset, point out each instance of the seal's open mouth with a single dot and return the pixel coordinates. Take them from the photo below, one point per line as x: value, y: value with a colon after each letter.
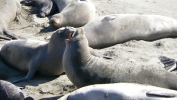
x: 71, y: 35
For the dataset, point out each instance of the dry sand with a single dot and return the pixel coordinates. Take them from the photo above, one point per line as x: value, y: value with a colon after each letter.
x: 141, y: 52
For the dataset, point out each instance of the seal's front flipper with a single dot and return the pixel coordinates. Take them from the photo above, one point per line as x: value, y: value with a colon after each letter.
x: 29, y: 76
x: 109, y: 18
x: 169, y: 63
x: 160, y: 93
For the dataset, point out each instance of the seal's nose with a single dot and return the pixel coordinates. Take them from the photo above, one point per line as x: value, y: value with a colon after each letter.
x: 53, y: 21
x: 23, y: 2
x: 41, y: 14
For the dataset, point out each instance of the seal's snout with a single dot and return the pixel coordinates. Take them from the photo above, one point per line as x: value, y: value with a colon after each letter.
x: 69, y: 32
x: 54, y: 22
x: 42, y: 14
x: 24, y: 2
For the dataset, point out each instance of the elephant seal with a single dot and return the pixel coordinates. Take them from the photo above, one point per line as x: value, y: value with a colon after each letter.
x: 37, y: 56
x: 121, y: 91
x: 8, y: 91
x: 117, y: 28
x: 84, y: 69
x: 46, y: 7
x: 61, y: 4
x: 9, y: 10
x: 75, y: 14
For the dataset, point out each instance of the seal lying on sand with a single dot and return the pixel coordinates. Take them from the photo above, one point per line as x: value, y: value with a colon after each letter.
x: 84, y: 69
x: 46, y: 7
x: 9, y: 91
x: 9, y: 10
x: 61, y: 4
x: 121, y: 91
x: 32, y: 55
x: 75, y: 14
x: 117, y: 28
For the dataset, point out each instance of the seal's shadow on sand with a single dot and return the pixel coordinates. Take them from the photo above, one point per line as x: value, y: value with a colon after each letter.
x: 10, y: 74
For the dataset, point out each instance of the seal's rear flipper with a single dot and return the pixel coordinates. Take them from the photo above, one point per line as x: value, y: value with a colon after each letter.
x: 12, y: 36
x: 166, y: 94
x: 169, y: 63
x: 5, y: 38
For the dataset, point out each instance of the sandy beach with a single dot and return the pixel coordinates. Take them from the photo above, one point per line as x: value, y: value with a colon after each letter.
x: 138, y: 52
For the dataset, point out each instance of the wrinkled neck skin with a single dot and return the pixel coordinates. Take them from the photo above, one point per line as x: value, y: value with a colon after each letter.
x: 78, y: 50
x: 56, y: 47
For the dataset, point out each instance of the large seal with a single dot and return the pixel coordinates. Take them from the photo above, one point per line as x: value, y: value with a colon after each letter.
x: 9, y: 10
x: 8, y: 91
x: 121, y: 91
x: 84, y: 69
x: 61, y: 4
x: 37, y: 56
x: 117, y: 28
x: 46, y: 7
x: 75, y: 14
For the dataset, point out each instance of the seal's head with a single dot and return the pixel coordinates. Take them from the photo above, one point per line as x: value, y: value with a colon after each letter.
x: 56, y: 21
x: 61, y: 34
x: 76, y: 35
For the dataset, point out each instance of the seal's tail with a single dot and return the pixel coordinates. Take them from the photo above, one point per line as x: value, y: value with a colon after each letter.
x: 169, y: 63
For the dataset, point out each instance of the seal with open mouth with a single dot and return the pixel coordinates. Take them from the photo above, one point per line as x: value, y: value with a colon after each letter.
x: 84, y: 69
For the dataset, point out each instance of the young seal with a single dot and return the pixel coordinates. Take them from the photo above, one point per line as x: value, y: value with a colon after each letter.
x: 121, y: 91
x: 117, y: 28
x: 9, y: 91
x: 75, y: 14
x: 9, y: 10
x: 84, y: 69
x: 37, y: 56
x: 61, y: 4
x: 46, y: 7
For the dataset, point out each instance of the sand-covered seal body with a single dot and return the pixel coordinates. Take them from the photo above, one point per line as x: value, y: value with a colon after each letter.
x: 121, y: 91
x: 61, y: 4
x: 46, y: 7
x: 84, y: 69
x: 75, y: 14
x: 9, y: 10
x: 117, y: 28
x: 8, y: 91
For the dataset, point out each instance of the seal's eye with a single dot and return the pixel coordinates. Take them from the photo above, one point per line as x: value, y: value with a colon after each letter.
x: 59, y: 33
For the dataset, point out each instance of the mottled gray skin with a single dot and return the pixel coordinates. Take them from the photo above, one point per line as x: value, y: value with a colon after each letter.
x: 46, y: 7
x: 61, y: 4
x: 37, y: 56
x: 9, y: 91
x: 84, y: 69
x: 10, y: 9
x: 75, y: 14
x: 121, y: 91
x: 117, y: 28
